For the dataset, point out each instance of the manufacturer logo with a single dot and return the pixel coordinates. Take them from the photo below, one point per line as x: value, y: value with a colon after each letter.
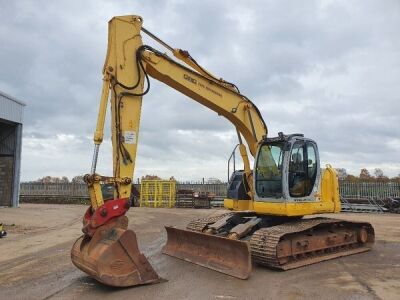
x: 188, y: 78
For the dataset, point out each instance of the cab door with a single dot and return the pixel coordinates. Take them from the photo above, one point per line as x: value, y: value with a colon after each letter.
x: 303, y: 169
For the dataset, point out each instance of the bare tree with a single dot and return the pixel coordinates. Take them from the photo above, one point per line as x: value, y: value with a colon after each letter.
x: 51, y: 179
x: 77, y: 179
x: 396, y: 179
x: 365, y: 175
x: 352, y: 178
x: 64, y: 179
x: 378, y: 173
x: 341, y: 172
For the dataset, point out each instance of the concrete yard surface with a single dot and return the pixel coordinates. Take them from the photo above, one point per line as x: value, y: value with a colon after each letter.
x: 35, y: 262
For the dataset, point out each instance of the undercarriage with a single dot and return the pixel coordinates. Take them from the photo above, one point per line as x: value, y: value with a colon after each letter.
x: 284, y: 243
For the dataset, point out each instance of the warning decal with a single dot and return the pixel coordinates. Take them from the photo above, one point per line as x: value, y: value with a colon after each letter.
x: 130, y: 137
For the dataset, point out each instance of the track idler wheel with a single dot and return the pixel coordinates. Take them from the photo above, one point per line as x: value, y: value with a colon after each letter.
x: 112, y: 256
x: 362, y: 235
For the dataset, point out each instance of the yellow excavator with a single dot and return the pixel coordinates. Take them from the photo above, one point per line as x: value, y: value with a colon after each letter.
x: 268, y: 222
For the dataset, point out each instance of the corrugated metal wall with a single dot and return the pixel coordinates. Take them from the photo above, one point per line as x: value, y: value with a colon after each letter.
x: 11, y: 118
x: 11, y: 109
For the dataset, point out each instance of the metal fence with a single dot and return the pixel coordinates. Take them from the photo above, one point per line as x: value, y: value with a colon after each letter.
x: 373, y: 189
x: 80, y: 189
x: 348, y: 189
x: 67, y: 189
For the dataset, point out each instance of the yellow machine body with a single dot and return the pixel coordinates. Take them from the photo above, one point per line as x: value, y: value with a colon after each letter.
x: 327, y: 201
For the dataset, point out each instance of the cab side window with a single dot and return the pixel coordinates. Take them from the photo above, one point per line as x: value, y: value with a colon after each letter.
x: 311, y: 167
x: 297, y: 171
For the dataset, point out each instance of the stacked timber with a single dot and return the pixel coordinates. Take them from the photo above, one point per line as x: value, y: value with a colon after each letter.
x: 193, y: 199
x: 202, y: 199
x: 184, y: 199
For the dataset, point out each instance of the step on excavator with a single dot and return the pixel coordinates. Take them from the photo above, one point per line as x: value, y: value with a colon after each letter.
x: 268, y: 220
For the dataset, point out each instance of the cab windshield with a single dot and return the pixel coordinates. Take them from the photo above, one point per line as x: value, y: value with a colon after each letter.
x: 269, y: 170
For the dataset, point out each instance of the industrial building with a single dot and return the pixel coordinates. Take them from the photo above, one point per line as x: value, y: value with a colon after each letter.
x: 11, y: 120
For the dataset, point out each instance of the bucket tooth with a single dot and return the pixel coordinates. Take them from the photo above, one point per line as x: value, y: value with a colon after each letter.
x: 224, y: 255
x: 112, y: 256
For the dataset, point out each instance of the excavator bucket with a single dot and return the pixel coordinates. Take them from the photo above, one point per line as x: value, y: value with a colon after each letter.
x: 221, y: 254
x: 112, y: 256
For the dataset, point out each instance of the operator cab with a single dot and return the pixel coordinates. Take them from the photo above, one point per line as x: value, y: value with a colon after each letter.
x: 287, y: 167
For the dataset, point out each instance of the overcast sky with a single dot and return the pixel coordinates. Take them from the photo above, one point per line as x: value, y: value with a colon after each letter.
x: 328, y: 69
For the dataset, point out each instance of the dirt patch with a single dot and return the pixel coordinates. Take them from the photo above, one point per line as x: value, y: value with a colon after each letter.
x: 35, y: 262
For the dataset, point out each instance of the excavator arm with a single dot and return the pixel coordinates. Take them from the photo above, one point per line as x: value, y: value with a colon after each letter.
x: 128, y: 65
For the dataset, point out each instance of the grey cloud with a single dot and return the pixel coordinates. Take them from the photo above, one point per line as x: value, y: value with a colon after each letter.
x: 329, y: 69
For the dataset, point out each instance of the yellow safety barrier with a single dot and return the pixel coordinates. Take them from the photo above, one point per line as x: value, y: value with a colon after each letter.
x: 157, y: 193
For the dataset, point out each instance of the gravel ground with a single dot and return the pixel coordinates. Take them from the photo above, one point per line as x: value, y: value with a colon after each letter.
x: 35, y: 262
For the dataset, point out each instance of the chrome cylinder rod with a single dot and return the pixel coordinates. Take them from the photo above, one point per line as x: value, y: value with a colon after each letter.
x: 95, y: 157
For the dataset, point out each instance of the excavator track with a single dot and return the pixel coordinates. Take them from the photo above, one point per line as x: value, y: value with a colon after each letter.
x: 302, y: 242
x: 292, y: 243
x: 308, y: 241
